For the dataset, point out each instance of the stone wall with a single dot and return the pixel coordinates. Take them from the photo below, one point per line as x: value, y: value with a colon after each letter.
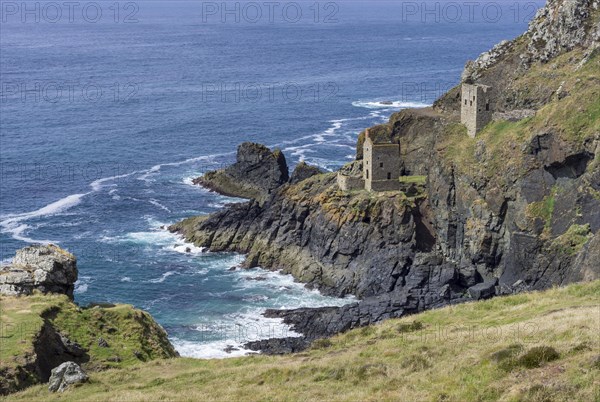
x: 350, y: 183
x: 384, y: 185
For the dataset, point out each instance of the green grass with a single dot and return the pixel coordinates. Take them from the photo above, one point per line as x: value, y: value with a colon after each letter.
x: 522, y: 347
x: 20, y: 321
x: 132, y: 335
x: 413, y: 179
x: 544, y: 209
x: 502, y: 146
x: 573, y: 239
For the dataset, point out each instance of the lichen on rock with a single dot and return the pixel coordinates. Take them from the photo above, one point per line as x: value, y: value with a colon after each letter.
x: 45, y: 268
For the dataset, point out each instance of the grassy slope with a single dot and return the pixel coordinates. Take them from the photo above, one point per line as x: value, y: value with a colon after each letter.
x: 575, y: 118
x: 124, y: 328
x: 474, y: 351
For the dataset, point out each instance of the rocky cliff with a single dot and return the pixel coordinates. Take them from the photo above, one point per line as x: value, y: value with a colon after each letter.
x: 343, y: 243
x: 257, y: 172
x: 45, y: 268
x: 562, y: 28
x: 41, y: 327
x: 515, y: 208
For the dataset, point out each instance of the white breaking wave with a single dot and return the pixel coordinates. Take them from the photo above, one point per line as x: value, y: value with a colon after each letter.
x: 159, y: 238
x: 12, y: 223
x: 209, y: 350
x: 190, y: 181
x: 148, y: 172
x: 158, y: 204
x: 389, y: 105
x: 188, y: 248
x: 163, y: 277
x: 329, y: 132
x: 81, y: 286
x: 96, y: 185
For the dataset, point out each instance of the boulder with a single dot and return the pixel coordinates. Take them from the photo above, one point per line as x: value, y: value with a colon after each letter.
x: 46, y: 268
x: 483, y: 290
x: 65, y: 375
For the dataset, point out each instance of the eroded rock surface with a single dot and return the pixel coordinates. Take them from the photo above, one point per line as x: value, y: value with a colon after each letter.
x: 257, y: 172
x: 499, y: 214
x: 46, y: 268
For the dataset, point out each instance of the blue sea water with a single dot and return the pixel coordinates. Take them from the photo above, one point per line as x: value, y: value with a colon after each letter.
x: 105, y: 120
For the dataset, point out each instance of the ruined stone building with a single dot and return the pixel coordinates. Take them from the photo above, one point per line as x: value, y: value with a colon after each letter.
x: 380, y: 170
x: 476, y: 107
x: 381, y: 165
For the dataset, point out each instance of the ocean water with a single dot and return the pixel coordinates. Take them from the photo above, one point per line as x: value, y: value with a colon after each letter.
x: 108, y: 112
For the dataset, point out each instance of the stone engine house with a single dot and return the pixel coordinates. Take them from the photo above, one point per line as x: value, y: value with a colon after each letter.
x: 476, y: 107
x: 381, y: 165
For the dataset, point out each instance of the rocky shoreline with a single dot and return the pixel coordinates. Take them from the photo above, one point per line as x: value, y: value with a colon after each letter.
x: 392, y: 251
x: 492, y: 219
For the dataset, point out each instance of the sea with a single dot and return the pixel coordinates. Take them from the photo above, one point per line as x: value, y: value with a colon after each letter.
x: 109, y: 109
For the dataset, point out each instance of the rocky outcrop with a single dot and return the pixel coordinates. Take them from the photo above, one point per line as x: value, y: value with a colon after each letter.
x: 45, y: 268
x: 560, y: 26
x: 42, y: 327
x: 65, y: 375
x: 342, y: 243
x: 303, y: 171
x: 50, y: 349
x: 256, y: 173
x: 472, y: 70
x: 514, y: 209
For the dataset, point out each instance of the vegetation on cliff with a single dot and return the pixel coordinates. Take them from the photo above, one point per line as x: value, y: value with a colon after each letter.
x: 39, y: 332
x: 537, y: 346
x: 334, y: 240
x: 512, y: 209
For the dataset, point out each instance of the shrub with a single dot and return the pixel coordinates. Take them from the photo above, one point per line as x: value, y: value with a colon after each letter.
x: 321, y: 343
x: 537, y: 356
x: 581, y: 347
x: 410, y: 327
x: 506, y: 353
x: 416, y: 363
x: 365, y: 371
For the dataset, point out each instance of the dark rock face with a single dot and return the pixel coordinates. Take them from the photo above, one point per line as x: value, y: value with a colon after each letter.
x: 467, y: 240
x: 53, y: 349
x: 531, y: 224
x: 256, y: 173
x: 279, y: 346
x: 303, y: 172
x: 483, y: 290
x: 338, y: 242
x: 46, y: 268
